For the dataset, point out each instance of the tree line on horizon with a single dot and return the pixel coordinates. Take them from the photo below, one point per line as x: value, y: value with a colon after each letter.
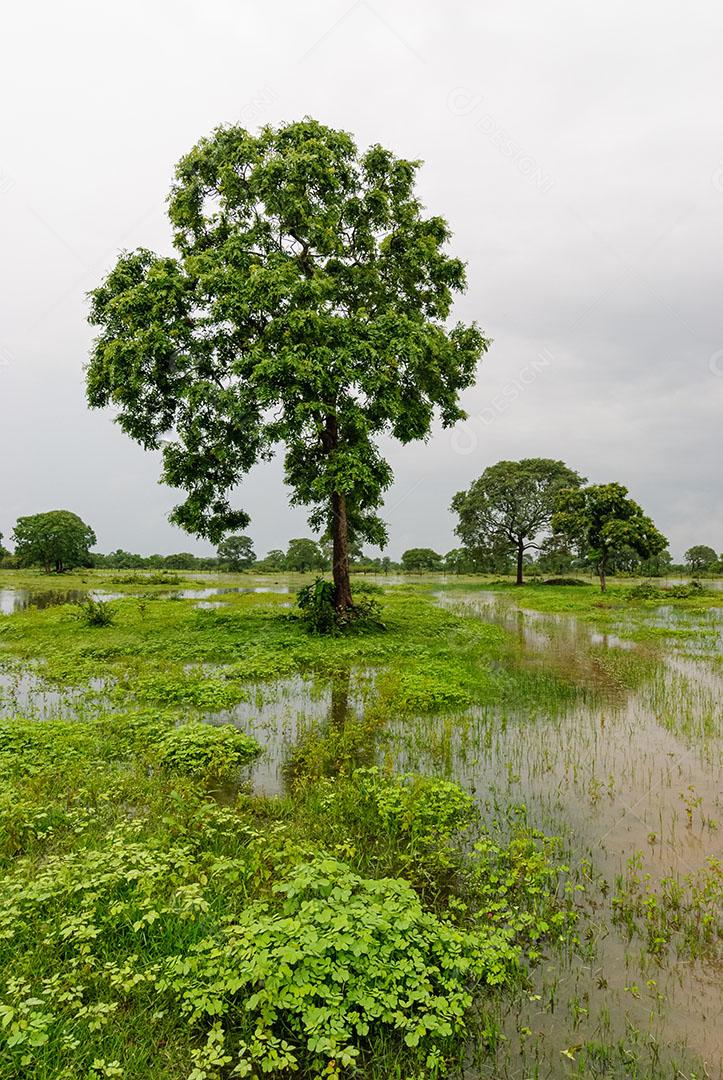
x: 532, y: 517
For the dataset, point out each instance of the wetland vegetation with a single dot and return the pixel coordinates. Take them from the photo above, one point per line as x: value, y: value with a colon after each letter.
x: 483, y: 841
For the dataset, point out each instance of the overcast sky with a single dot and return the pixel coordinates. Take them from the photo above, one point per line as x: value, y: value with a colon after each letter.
x: 576, y: 150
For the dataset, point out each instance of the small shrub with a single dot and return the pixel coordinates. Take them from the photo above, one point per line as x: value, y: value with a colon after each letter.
x: 645, y: 591
x: 96, y: 612
x: 317, y: 605
x: 564, y: 581
x: 685, y: 592
x: 425, y: 809
x: 205, y: 752
x: 186, y: 690
x: 161, y: 577
x: 434, y: 689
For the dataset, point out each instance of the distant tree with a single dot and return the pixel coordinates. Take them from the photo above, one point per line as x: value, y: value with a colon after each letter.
x: 124, y: 560
x: 510, y: 506
x: 605, y: 523
x: 556, y: 556
x: 421, y: 559
x: 273, y: 560
x: 308, y: 306
x: 700, y: 558
x: 181, y: 560
x: 459, y: 561
x: 656, y: 565
x: 236, y: 552
x: 3, y: 550
x: 57, y: 540
x: 303, y: 555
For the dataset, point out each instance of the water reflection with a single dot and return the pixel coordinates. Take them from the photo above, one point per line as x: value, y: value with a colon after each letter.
x: 25, y: 693
x: 14, y: 599
x: 616, y: 777
x: 223, y: 590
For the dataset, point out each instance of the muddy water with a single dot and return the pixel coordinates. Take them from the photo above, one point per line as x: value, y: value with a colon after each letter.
x: 635, y: 775
x: 24, y: 693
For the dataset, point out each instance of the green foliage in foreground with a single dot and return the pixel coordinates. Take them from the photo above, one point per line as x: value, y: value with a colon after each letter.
x: 154, y: 933
x: 151, y: 933
x: 209, y: 753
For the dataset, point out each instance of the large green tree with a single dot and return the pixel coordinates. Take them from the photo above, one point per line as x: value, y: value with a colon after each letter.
x: 604, y: 523
x: 700, y: 558
x: 421, y: 559
x: 237, y: 552
x: 308, y: 306
x: 509, y: 507
x: 303, y: 555
x: 57, y: 540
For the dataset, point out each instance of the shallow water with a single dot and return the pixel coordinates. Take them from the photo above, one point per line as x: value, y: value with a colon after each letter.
x: 223, y: 590
x: 619, y: 774
x: 20, y: 599
x: 25, y: 693
x: 636, y: 775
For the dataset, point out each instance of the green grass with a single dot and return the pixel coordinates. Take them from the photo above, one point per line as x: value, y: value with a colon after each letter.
x: 160, y: 921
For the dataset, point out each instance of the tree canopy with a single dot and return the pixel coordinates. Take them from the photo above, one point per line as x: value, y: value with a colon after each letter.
x: 57, y: 540
x: 307, y: 306
x: 236, y: 552
x: 419, y: 559
x: 604, y: 522
x: 509, y: 507
x: 700, y: 558
x: 303, y: 555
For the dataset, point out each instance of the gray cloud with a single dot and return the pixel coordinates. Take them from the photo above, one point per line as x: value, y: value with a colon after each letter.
x: 575, y: 149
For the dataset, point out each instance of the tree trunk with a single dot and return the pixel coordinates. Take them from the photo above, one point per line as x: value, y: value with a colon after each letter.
x: 339, y: 526
x: 340, y: 552
x: 520, y: 557
x: 601, y: 572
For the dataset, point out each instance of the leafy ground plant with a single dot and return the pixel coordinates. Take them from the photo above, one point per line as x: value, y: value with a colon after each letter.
x: 320, y: 612
x: 205, y: 752
x: 344, y: 962
x: 96, y: 612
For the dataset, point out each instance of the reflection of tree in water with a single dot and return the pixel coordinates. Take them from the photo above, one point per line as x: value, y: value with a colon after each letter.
x: 339, y: 708
x: 340, y: 743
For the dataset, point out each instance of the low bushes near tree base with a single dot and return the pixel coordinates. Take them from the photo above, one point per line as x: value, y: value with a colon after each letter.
x: 318, y: 609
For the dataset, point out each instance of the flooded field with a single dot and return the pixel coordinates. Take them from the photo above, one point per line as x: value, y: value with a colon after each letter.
x: 611, y: 738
